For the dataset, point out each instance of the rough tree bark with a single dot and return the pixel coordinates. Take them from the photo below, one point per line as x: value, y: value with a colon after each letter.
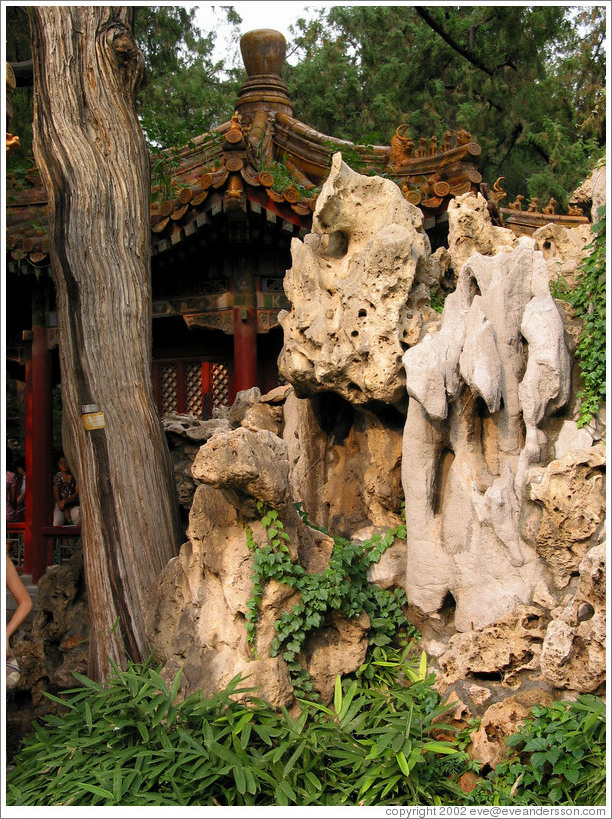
x: 92, y: 157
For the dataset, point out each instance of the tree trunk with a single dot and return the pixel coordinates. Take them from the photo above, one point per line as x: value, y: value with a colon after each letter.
x: 92, y: 157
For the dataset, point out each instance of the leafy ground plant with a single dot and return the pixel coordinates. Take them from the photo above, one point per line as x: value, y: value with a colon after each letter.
x: 558, y: 757
x: 130, y: 742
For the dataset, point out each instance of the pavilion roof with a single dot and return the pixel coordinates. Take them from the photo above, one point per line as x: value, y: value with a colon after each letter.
x: 264, y: 159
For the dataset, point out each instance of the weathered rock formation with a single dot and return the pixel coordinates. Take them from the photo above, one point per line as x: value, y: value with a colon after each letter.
x: 563, y: 249
x: 574, y: 648
x: 57, y: 641
x: 480, y: 389
x: 197, y: 610
x: 568, y: 510
x: 470, y: 231
x: 504, y: 494
x: 344, y: 463
x: 350, y: 288
x: 591, y: 195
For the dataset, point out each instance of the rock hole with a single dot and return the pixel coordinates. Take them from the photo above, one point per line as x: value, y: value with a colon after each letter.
x: 448, y: 605
x: 390, y: 416
x: 494, y: 676
x: 444, y: 464
x: 334, y: 415
x: 355, y: 333
x: 585, y: 612
x: 532, y: 621
x: 334, y: 245
x: 527, y: 658
x: 362, y: 313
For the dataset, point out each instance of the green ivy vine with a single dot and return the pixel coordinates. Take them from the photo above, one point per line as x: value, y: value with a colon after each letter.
x: 342, y: 587
x: 588, y: 298
x: 589, y: 302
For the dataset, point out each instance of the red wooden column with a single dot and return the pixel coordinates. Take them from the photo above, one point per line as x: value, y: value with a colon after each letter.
x: 38, y: 439
x: 245, y: 332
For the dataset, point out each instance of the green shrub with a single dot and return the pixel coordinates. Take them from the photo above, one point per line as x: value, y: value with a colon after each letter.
x: 558, y: 757
x: 130, y: 743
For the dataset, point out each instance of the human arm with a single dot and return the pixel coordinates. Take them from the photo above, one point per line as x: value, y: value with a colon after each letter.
x: 21, y: 597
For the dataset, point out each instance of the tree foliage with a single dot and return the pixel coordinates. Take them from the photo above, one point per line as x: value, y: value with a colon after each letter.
x: 527, y: 82
x: 186, y: 92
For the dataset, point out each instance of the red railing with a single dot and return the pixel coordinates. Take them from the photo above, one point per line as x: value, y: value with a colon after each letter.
x: 58, y: 541
x: 15, y: 535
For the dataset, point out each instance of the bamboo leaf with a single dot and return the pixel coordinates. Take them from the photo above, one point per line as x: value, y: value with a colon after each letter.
x: 251, y: 782
x: 239, y: 779
x: 105, y: 794
x: 293, y: 758
x: 143, y: 731
x: 338, y: 695
x: 403, y: 763
x: 175, y: 685
x: 439, y: 748
x: 423, y: 666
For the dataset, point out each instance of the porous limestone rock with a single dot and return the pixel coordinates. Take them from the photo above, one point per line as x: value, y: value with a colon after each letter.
x: 591, y: 194
x: 569, y: 509
x: 574, y: 648
x: 268, y: 412
x: 252, y: 463
x: 563, y: 248
x: 598, y: 191
x: 480, y: 389
x: 470, y: 230
x: 350, y: 291
x: 196, y: 611
x: 500, y: 651
x: 499, y: 722
x: 334, y: 649
x: 185, y: 434
x: 58, y: 641
x: 244, y: 400
x: 571, y: 437
x: 344, y: 463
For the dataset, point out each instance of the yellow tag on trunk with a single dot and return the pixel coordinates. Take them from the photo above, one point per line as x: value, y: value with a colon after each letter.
x: 93, y: 420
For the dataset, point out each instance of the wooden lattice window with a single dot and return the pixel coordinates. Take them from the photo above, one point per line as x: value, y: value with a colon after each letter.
x: 169, y: 389
x: 191, y: 386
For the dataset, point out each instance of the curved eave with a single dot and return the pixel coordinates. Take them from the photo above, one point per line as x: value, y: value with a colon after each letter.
x: 524, y: 223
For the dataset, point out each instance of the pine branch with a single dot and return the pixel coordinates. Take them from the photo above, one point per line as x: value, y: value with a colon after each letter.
x: 426, y: 16
x: 518, y: 129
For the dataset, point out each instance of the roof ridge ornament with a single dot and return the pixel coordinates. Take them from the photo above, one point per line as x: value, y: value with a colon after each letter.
x: 263, y: 53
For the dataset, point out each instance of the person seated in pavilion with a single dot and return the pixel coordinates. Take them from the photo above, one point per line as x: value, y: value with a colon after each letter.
x: 67, y: 511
